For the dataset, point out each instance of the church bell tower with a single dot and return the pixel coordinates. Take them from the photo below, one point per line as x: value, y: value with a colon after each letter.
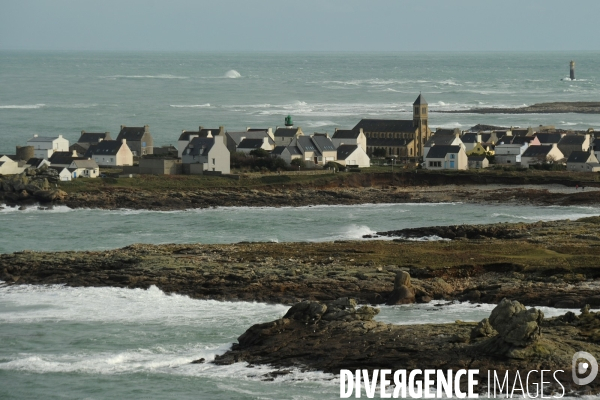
x: 420, y: 123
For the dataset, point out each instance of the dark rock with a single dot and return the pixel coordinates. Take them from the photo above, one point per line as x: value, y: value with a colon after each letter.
x: 515, y: 324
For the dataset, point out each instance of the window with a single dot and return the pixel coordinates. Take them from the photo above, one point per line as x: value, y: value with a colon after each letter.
x: 437, y: 164
x: 452, y: 156
x: 213, y: 161
x: 416, y: 110
x: 424, y: 111
x: 451, y: 164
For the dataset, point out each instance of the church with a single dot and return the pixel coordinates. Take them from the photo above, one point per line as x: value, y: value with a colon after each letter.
x: 402, y: 139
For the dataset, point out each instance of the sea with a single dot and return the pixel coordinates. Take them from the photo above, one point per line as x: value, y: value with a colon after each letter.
x: 58, y: 342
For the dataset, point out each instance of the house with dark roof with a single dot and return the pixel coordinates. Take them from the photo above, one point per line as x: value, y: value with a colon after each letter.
x: 403, y: 138
x: 349, y: 136
x: 235, y: 138
x: 79, y: 148
x: 446, y: 157
x: 574, y: 142
x: 208, y: 154
x: 138, y: 139
x: 93, y: 137
x: 583, y: 161
x: 186, y: 136
x: 285, y: 136
x: 287, y: 153
x: 63, y: 158
x: 247, y: 145
x: 352, y: 155
x: 111, y: 153
x: 478, y: 162
x: 442, y: 140
x: 549, y: 138
x: 545, y: 153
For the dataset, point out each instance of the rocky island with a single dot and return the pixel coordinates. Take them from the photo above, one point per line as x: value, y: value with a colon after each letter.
x: 559, y: 107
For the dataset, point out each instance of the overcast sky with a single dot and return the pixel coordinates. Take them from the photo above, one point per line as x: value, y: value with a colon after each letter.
x: 300, y: 25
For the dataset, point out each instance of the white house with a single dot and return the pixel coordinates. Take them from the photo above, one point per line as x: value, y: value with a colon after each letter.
x: 235, y: 138
x: 446, y: 157
x: 353, y: 155
x: 9, y: 167
x: 510, y: 148
x: 541, y: 154
x: 583, y: 161
x: 84, y: 169
x: 110, y: 153
x: 349, y: 136
x: 208, y: 154
x: 45, y: 146
x: 64, y: 174
x: 186, y: 137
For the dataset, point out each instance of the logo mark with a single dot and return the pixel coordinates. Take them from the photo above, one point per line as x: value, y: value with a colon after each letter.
x: 581, y: 368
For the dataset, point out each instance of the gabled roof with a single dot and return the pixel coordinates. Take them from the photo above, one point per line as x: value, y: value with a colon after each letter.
x: 252, y: 134
x: 93, y: 138
x: 85, y: 164
x: 522, y: 139
x: 345, y: 150
x: 420, y: 101
x: 536, y: 151
x: 579, y: 157
x: 306, y: 143
x: 346, y: 134
x: 286, y: 132
x: 201, y: 132
x: 250, y: 144
x: 132, y: 133
x: 575, y: 140
x: 62, y: 157
x: 199, y: 146
x: 278, y: 150
x: 104, y: 148
x: 440, y: 140
x: 35, y: 162
x: 385, y: 125
x: 440, y: 151
x: 323, y: 143
x: 549, y: 137
x: 471, y: 137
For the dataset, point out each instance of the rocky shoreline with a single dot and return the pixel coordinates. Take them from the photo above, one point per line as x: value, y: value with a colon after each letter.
x: 544, y: 264
x: 579, y: 107
x: 335, y: 335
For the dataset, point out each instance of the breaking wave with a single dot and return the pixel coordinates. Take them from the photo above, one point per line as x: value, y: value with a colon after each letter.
x: 232, y: 73
x: 190, y: 105
x: 22, y: 107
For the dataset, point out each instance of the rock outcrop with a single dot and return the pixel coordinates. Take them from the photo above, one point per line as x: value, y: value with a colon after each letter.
x: 513, y: 339
x: 403, y: 292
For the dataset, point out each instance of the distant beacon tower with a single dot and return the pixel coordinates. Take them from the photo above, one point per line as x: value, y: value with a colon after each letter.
x: 572, y: 64
x: 288, y: 121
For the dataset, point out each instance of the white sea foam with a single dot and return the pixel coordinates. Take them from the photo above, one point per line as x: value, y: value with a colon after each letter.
x: 34, y: 209
x: 60, y: 303
x: 190, y: 105
x: 22, y: 107
x: 232, y: 73
x: 439, y: 311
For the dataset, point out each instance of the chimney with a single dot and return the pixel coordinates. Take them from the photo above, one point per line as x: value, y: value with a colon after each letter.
x: 336, y: 129
x: 60, y: 136
x: 479, y: 138
x: 122, y: 127
x: 124, y: 141
x: 221, y: 130
x: 270, y: 133
x: 247, y: 128
x: 74, y: 154
x: 82, y: 132
x: 361, y: 130
x: 209, y: 134
x: 146, y: 128
x: 100, y: 139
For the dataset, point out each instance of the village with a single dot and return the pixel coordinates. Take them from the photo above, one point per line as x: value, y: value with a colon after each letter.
x: 216, y: 151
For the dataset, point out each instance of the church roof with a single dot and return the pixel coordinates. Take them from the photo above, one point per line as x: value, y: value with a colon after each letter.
x: 420, y: 101
x: 385, y: 125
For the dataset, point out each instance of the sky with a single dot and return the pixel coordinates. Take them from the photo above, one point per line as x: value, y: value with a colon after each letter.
x: 300, y: 25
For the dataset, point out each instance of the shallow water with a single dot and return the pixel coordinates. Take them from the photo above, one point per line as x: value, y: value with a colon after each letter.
x: 83, y: 229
